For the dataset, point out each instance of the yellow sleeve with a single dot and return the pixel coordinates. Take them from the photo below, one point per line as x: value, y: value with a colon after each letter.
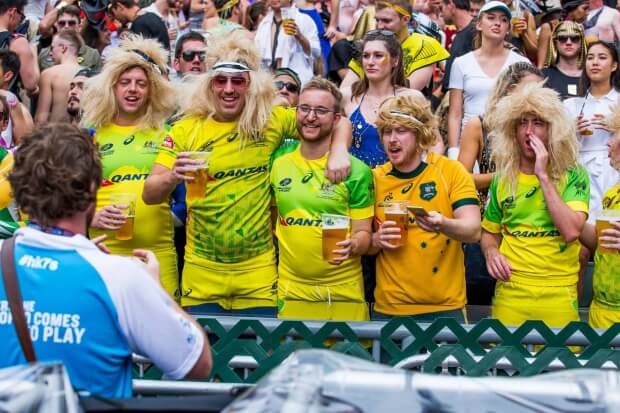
x: 172, y: 144
x: 462, y: 188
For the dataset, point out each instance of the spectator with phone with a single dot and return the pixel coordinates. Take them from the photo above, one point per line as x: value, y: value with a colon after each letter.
x: 442, y: 213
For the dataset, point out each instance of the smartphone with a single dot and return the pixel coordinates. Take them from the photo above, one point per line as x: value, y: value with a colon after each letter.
x: 417, y: 210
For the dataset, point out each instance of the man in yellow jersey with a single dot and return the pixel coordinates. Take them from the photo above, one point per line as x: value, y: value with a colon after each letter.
x: 420, y: 270
x: 127, y: 106
x: 421, y: 53
x: 605, y: 240
x: 310, y: 287
x: 538, y: 204
x: 229, y: 256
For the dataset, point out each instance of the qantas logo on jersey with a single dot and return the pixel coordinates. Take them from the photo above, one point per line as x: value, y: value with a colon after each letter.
x: 535, y: 234
x: 235, y: 173
x: 122, y: 178
x: 302, y: 222
x: 38, y: 263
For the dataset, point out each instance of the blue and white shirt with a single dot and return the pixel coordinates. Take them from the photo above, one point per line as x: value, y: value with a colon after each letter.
x: 91, y: 310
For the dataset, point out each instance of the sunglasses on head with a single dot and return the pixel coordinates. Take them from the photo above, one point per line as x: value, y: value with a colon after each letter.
x: 382, y: 32
x: 564, y: 38
x: 291, y: 87
x: 190, y: 55
x: 235, y: 81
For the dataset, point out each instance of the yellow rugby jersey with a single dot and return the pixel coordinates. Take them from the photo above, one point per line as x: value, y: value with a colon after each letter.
x: 232, y: 223
x: 418, y: 51
x: 428, y: 273
x: 606, y: 282
x: 531, y: 242
x: 127, y: 157
x: 303, y: 194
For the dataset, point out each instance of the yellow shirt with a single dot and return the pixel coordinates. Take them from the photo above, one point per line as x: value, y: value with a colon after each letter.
x: 127, y: 157
x: 427, y: 274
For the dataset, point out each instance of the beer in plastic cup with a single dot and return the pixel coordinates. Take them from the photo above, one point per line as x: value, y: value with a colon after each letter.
x: 517, y: 16
x: 397, y: 211
x: 196, y: 189
x: 603, y: 221
x: 127, y: 202
x: 335, y: 230
x: 287, y: 17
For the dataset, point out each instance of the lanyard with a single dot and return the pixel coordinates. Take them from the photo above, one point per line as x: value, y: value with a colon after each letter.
x: 52, y: 230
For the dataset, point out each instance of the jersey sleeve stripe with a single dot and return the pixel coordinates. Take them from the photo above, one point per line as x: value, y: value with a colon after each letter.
x: 464, y: 201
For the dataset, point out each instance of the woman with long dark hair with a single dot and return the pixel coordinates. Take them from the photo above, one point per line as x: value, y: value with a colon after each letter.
x: 380, y: 59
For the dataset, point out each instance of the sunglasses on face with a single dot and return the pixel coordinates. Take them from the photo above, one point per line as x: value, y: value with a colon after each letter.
x: 291, y: 87
x: 237, y: 82
x: 573, y: 38
x: 65, y: 23
x: 190, y: 55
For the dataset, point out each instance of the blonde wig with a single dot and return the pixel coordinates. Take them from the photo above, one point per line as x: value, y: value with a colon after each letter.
x: 561, y: 143
x: 507, y: 80
x: 260, y: 95
x: 569, y: 28
x: 99, y: 102
x: 411, y: 113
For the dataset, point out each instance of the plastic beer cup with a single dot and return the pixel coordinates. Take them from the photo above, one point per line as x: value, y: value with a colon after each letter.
x: 127, y: 202
x: 196, y: 188
x: 603, y: 221
x: 335, y: 229
x: 517, y: 16
x: 397, y: 211
x: 287, y: 17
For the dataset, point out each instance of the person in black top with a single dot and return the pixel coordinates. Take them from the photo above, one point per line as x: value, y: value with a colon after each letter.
x: 147, y: 24
x: 458, y: 13
x: 565, y: 59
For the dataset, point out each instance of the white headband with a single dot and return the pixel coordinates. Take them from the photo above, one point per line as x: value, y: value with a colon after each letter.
x: 407, y: 116
x: 231, y: 67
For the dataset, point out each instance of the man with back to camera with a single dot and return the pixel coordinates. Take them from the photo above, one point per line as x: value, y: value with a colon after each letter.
x: 117, y: 304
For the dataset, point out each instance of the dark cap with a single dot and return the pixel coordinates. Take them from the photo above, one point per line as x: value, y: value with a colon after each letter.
x: 568, y: 5
x: 290, y: 73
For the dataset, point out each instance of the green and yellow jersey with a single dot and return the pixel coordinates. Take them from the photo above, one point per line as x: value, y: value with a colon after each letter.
x: 9, y: 214
x: 229, y: 229
x: 531, y: 242
x: 127, y: 157
x: 606, y: 282
x: 418, y: 51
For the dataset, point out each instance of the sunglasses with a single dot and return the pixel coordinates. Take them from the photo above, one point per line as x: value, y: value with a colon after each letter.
x: 573, y: 39
x: 291, y: 87
x: 190, y: 55
x: 237, y: 82
x: 65, y: 23
x: 382, y: 32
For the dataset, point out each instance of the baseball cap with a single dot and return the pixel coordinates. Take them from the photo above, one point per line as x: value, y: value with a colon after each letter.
x: 571, y: 4
x: 496, y: 5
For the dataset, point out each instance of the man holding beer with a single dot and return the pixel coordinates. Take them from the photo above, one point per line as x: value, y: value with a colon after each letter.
x: 426, y: 207
x: 127, y: 105
x: 322, y: 228
x: 538, y: 204
x: 230, y: 258
x: 604, y: 238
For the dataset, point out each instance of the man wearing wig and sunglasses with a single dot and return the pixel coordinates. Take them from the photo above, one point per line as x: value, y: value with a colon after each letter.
x: 567, y: 51
x: 229, y: 257
x: 287, y: 85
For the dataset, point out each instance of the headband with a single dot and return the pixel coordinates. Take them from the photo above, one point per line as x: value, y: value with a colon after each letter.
x: 229, y: 4
x: 231, y: 67
x: 148, y: 59
x: 396, y: 8
x: 406, y: 116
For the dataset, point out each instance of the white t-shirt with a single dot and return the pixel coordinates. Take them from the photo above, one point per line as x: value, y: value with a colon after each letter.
x: 604, y: 23
x: 468, y: 76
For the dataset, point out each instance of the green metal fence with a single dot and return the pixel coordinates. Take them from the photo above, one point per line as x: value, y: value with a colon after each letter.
x: 244, y: 350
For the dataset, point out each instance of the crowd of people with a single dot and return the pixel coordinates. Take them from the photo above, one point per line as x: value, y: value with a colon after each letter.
x: 344, y: 160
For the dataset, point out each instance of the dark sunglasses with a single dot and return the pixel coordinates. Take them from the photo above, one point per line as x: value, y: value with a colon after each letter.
x: 236, y: 81
x: 64, y: 23
x: 382, y: 32
x: 291, y: 87
x: 573, y: 38
x: 190, y: 55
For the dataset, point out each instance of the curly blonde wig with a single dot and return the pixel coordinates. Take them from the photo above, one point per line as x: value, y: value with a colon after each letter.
x: 260, y: 95
x: 561, y: 143
x: 411, y: 113
x: 99, y: 102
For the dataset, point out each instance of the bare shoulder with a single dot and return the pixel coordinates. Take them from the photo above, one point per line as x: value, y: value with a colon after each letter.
x: 346, y: 101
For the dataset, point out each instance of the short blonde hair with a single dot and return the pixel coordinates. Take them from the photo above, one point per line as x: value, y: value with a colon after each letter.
x: 613, y: 120
x: 409, y: 112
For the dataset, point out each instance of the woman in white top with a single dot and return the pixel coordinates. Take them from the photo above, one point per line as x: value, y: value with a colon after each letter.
x: 600, y: 84
x: 473, y: 75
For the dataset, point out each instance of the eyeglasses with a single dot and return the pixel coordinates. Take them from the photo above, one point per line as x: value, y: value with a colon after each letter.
x: 564, y: 39
x: 190, y: 55
x: 291, y: 87
x: 65, y: 23
x: 237, y: 82
x: 21, y: 14
x: 381, y: 32
x: 319, y: 112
